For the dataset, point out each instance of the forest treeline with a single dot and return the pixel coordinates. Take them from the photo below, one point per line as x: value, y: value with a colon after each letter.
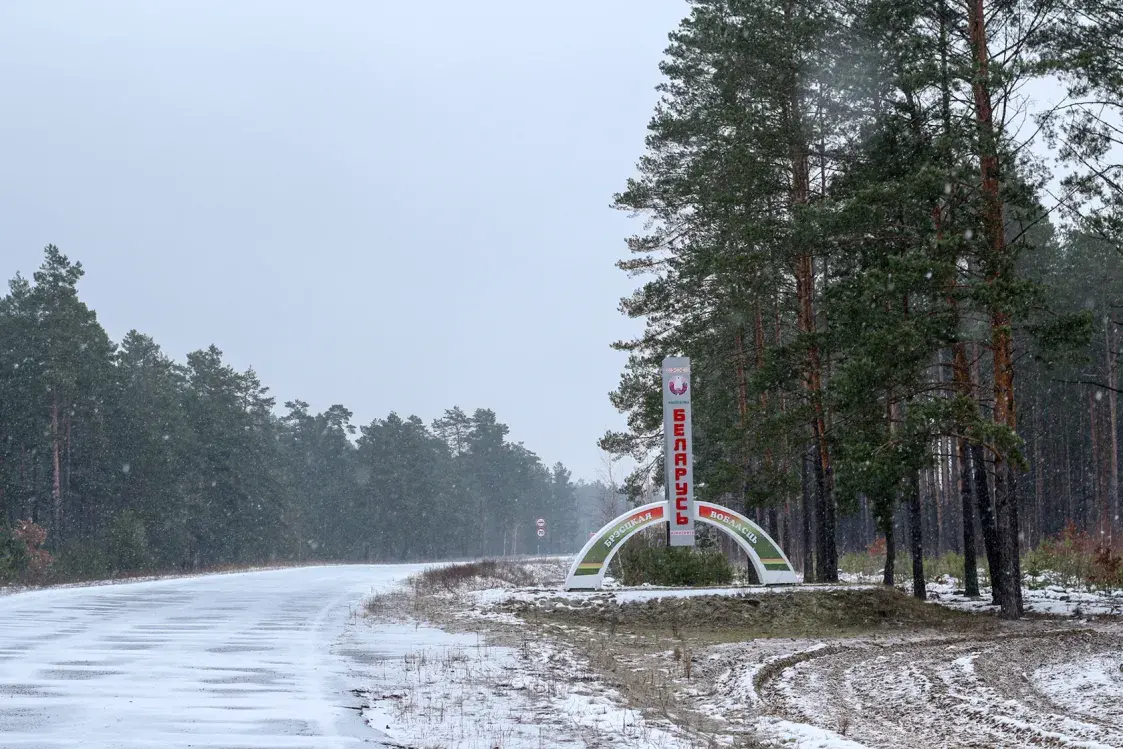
x: 130, y: 461
x: 897, y: 275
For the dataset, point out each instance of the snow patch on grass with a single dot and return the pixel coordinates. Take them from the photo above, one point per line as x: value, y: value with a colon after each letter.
x: 1053, y: 600
x: 457, y: 692
x: 495, y: 596
x: 784, y: 733
x: 1091, y: 686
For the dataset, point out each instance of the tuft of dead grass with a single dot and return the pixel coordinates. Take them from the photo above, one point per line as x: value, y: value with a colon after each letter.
x: 429, y: 595
x: 456, y: 577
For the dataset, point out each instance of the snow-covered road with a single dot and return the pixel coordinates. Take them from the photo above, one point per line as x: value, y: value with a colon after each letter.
x: 259, y: 659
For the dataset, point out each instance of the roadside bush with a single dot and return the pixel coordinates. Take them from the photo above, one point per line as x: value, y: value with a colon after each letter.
x: 13, y: 556
x: 672, y: 566
x: 950, y: 564
x: 1108, y: 569
x: 22, y: 557
x: 452, y: 577
x: 859, y: 563
x: 871, y: 564
x: 1074, y: 558
x: 1070, y: 557
x: 127, y: 544
x: 82, y: 560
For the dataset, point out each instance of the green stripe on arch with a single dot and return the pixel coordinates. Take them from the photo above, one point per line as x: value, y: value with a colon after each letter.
x: 612, y: 535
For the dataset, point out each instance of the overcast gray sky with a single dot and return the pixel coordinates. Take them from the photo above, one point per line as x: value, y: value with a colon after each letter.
x: 390, y: 205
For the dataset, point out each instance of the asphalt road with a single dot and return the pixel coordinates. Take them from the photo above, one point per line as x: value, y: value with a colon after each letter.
x: 259, y: 659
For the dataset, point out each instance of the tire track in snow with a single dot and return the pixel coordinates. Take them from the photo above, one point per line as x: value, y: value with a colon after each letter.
x: 960, y: 692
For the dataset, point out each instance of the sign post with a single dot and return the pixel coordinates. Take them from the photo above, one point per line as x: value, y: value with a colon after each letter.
x: 678, y: 454
x: 540, y: 523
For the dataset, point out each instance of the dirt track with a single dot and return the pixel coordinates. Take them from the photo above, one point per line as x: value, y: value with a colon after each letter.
x: 1058, y: 688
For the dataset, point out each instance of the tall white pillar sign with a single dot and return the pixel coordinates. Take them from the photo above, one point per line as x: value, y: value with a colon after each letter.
x: 679, y: 449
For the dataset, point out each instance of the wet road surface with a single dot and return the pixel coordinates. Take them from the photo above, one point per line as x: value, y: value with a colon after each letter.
x: 233, y: 661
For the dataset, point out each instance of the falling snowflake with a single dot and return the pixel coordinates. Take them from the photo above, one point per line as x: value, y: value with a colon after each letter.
x: 125, y: 468
x: 969, y: 234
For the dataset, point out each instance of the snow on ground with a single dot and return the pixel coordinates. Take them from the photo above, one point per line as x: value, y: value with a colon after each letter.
x: 262, y: 660
x: 965, y: 692
x: 1045, y: 593
x: 1091, y: 686
x: 492, y: 597
x: 1037, y: 598
x: 1042, y: 683
x: 283, y: 659
x: 1048, y: 599
x: 783, y: 733
x: 457, y: 691
x: 1048, y: 685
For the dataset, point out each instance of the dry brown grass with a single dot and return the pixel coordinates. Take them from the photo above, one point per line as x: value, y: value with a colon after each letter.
x: 432, y: 595
x: 795, y: 613
x: 454, y: 577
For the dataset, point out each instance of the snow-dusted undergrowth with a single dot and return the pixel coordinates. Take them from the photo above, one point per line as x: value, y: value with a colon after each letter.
x: 883, y: 689
x: 457, y: 692
x: 464, y: 691
x: 1037, y: 599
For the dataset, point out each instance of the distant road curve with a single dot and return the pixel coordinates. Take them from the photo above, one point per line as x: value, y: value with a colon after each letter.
x: 257, y: 660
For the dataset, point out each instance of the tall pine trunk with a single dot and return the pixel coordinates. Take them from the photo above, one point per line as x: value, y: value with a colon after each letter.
x: 56, y: 477
x: 28, y: 497
x: 826, y: 568
x: 986, y: 518
x: 970, y: 566
x: 826, y: 545
x: 808, y: 547
x: 1099, y: 486
x: 1113, y: 427
x: 742, y: 411
x: 999, y: 266
x: 758, y: 346
x: 916, y: 536
x: 1038, y: 473
x: 937, y: 497
x: 886, y: 520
